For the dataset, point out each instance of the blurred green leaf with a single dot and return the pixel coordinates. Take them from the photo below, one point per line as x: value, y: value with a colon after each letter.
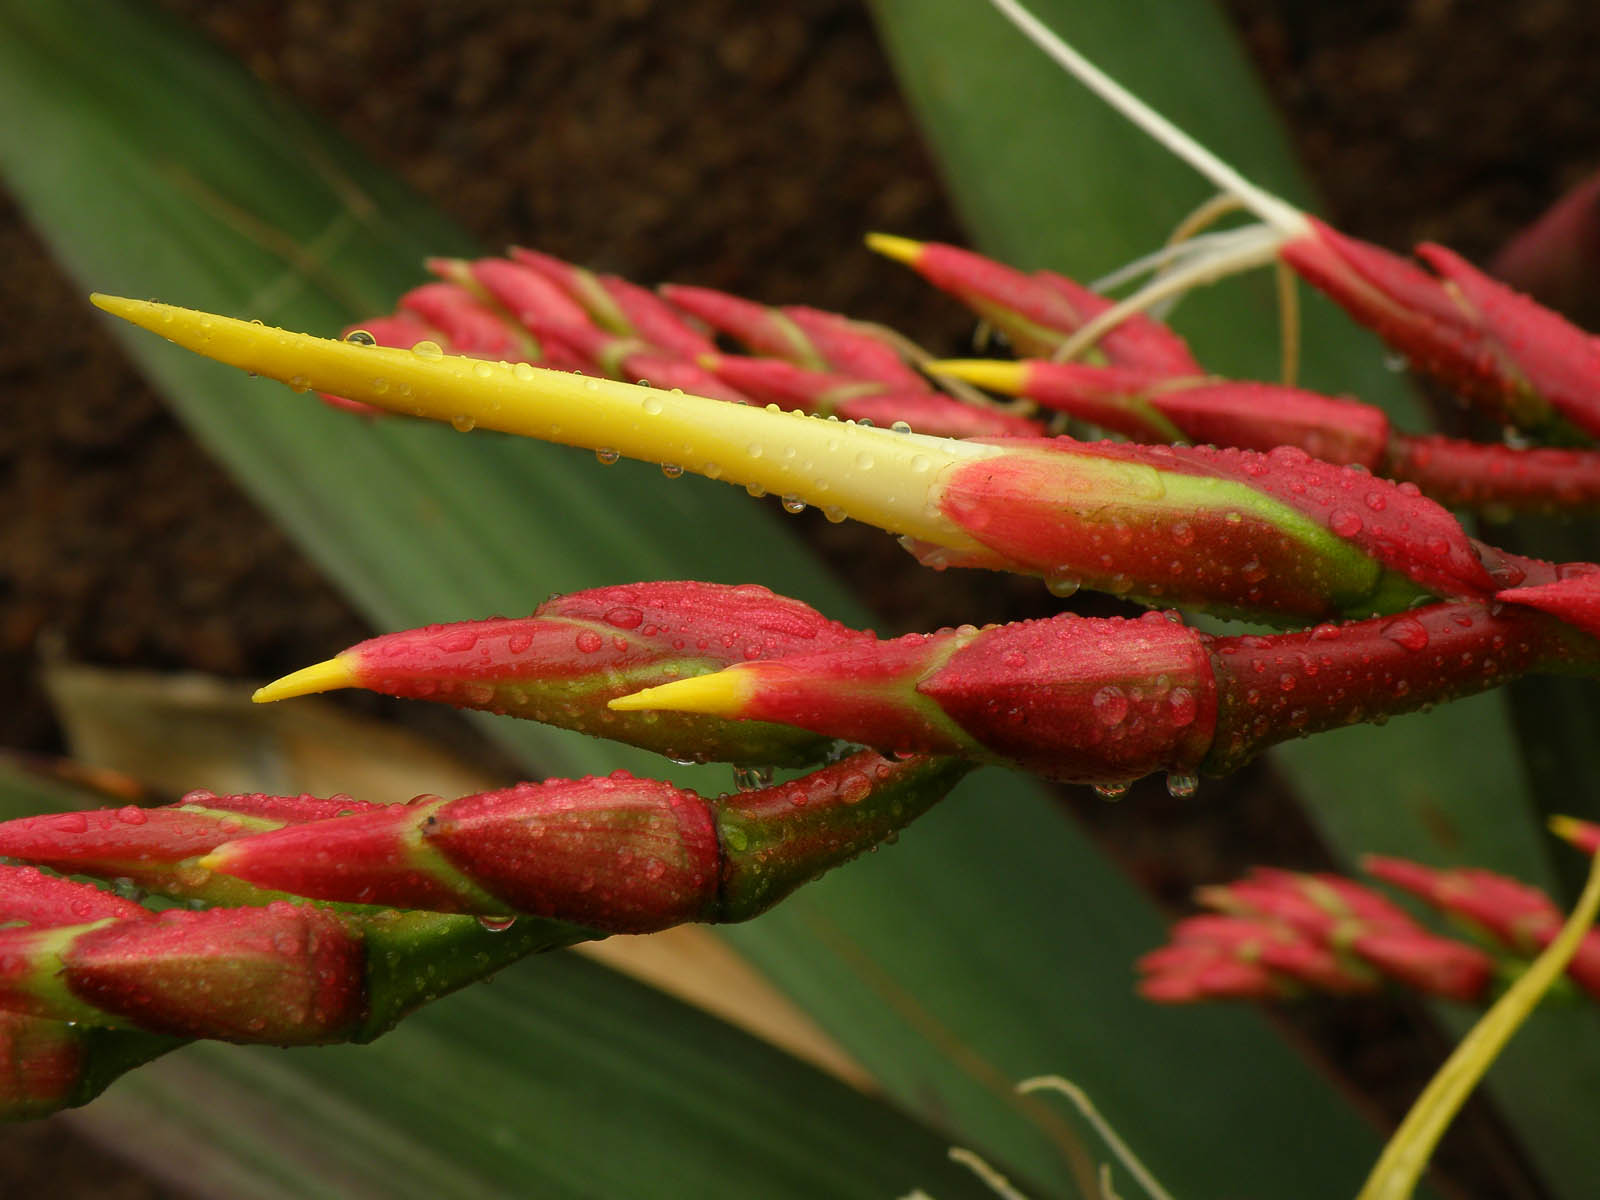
x: 1048, y: 176
x: 994, y: 943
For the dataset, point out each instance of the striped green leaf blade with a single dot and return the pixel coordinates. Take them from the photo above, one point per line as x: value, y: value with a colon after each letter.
x: 1047, y: 176
x: 992, y: 944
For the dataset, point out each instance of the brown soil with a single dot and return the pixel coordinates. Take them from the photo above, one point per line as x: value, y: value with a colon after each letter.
x: 632, y: 147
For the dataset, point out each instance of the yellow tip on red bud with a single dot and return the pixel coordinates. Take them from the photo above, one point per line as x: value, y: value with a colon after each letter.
x: 326, y: 676
x: 1010, y: 378
x: 720, y: 694
x: 879, y: 476
x: 1570, y: 829
x: 901, y: 249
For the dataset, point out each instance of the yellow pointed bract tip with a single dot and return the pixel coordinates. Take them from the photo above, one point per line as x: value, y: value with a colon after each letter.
x: 720, y: 694
x: 1569, y: 829
x: 901, y: 249
x: 993, y: 374
x: 326, y: 676
x: 879, y: 476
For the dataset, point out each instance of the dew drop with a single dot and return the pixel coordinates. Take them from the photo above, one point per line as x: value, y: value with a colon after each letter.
x: 793, y: 505
x: 864, y: 461
x: 652, y: 404
x: 1345, y: 522
x: 1112, y: 791
x: 497, y: 924
x: 755, y: 489
x: 1182, y: 783
x: 1062, y: 583
x: 129, y: 815
x: 360, y: 337
x: 1110, y: 705
x: 900, y: 427
x: 606, y: 456
x: 1407, y: 632
x: 299, y: 383
x: 523, y: 371
x: 1182, y: 707
x: 672, y: 470
x: 428, y: 349
x: 462, y: 423
x: 588, y: 641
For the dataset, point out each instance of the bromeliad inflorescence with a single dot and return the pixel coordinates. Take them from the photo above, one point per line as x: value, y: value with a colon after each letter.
x: 328, y: 920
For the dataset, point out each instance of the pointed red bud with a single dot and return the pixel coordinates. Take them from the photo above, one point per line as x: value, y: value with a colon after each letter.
x: 1526, y: 363
x: 576, y: 652
x: 29, y: 896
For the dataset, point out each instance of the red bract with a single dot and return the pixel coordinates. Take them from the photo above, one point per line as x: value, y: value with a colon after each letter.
x: 806, y: 337
x: 1316, y: 931
x: 562, y: 664
x: 1525, y: 363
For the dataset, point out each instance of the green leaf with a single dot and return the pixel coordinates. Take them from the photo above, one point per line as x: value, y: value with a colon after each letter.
x: 994, y: 943
x: 1048, y: 176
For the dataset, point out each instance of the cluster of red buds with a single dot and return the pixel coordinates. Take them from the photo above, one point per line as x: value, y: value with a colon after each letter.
x: 1280, y: 933
x: 301, y: 920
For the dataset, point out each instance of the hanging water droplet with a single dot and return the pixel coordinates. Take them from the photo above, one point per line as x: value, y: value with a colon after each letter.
x: 1182, y: 783
x: 1112, y: 791
x: 497, y: 924
x: 793, y: 505
x: 360, y: 337
x: 1062, y: 583
x: 428, y: 349
x: 462, y: 423
x: 672, y: 470
x: 749, y: 779
x: 834, y: 513
x: 755, y: 489
x: 606, y: 456
x: 299, y: 383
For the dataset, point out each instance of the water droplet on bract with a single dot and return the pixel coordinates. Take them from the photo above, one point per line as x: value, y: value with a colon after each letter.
x: 380, y: 385
x: 462, y: 423
x: 253, y: 321
x: 69, y: 823
x: 920, y: 463
x: 299, y: 383
x: 755, y: 490
x: 672, y: 470
x: 642, y: 382
x: 360, y: 337
x: 497, y: 924
x: 129, y: 815
x: 522, y: 370
x: 1407, y: 632
x: 1062, y: 584
x: 482, y: 370
x: 428, y: 349
x: 588, y: 641
x: 606, y: 456
x: 834, y: 513
x: 1182, y: 783
x: 793, y: 505
x: 1110, y: 705
x: 900, y: 427
x: 864, y: 461
x: 1112, y: 791
x: 1182, y: 707
x: 1345, y: 522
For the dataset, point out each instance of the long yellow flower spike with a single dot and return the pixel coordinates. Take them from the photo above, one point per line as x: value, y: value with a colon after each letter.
x: 879, y: 476
x: 1400, y: 1166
